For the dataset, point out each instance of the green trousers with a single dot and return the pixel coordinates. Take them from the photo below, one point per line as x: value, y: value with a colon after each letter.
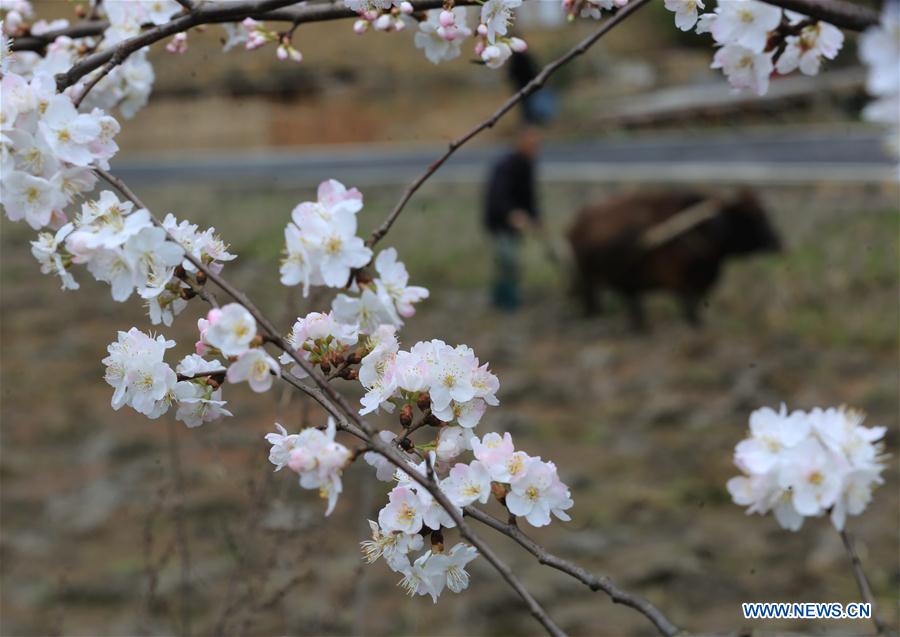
x: 505, y: 293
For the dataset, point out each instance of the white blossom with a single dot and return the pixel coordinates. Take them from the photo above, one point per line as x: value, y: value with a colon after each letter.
x: 254, y: 366
x: 744, y: 68
x: 746, y: 23
x: 496, y: 16
x: 230, y: 329
x: 685, y: 12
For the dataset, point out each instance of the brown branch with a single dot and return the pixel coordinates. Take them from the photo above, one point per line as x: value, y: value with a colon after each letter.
x: 526, y: 90
x: 840, y: 13
x: 863, y: 582
x: 837, y: 12
x: 103, y: 72
x: 594, y: 582
x: 209, y: 13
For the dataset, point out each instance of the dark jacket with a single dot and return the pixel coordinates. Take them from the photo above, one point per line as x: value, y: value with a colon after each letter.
x: 510, y: 187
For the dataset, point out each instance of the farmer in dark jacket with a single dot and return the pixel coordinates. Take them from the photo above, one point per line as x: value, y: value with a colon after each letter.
x: 511, y: 208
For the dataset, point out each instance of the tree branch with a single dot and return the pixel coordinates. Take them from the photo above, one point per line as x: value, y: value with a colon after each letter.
x: 594, y: 582
x: 840, y: 13
x: 863, y: 582
x: 235, y: 11
x: 539, y: 80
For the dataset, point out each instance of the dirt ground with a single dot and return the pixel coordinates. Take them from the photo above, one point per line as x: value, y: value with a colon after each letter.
x: 116, y: 525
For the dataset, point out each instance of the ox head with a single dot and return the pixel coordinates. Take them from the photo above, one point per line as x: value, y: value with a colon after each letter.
x: 745, y: 225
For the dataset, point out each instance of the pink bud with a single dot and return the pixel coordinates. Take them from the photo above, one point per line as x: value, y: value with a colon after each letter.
x: 482, y: 30
x: 518, y: 45
x: 399, y: 25
x: 479, y: 48
x: 406, y: 7
x: 281, y: 52
x: 371, y: 15
x: 360, y: 26
x: 200, y: 348
x: 447, y: 18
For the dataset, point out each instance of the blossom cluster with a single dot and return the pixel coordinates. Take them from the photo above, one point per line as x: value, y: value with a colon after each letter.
x: 805, y: 464
x: 314, y: 456
x: 755, y: 39
x: 127, y: 86
x: 47, y: 149
x: 322, y: 248
x: 527, y: 486
x: 124, y: 248
x: 449, y: 382
x: 144, y: 381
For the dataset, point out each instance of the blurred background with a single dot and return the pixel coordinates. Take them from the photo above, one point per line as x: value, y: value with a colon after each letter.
x: 116, y: 525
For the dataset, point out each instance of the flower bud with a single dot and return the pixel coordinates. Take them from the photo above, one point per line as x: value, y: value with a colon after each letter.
x: 482, y: 30
x: 406, y: 416
x: 447, y: 18
x: 360, y: 26
x: 371, y: 15
x: 423, y: 401
x: 201, y: 278
x: 406, y: 8
x: 518, y: 45
x: 180, y: 272
x: 383, y: 22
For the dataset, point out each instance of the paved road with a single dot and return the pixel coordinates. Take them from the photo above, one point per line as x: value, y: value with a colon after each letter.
x: 758, y: 156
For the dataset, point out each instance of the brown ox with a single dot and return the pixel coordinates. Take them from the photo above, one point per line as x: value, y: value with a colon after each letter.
x: 675, y: 241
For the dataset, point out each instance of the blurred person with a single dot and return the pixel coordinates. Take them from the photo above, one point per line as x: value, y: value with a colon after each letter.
x: 540, y: 106
x: 511, y: 209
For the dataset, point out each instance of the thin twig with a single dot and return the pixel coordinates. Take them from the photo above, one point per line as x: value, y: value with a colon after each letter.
x: 103, y: 72
x: 594, y: 582
x: 526, y: 90
x: 863, y: 582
